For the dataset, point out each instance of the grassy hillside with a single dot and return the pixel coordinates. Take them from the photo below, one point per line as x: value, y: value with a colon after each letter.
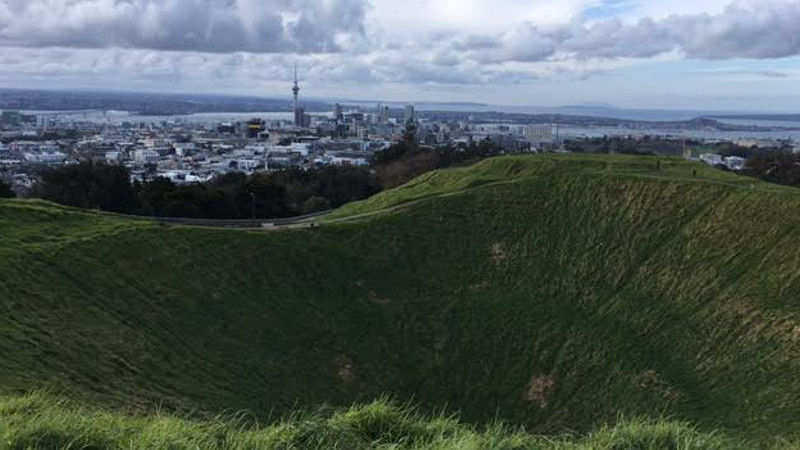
x: 555, y: 292
x: 515, y: 168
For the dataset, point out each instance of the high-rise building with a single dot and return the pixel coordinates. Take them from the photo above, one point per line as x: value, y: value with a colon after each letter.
x: 540, y: 134
x: 410, y: 134
x: 411, y: 115
x: 299, y: 116
x: 383, y: 115
x: 255, y: 127
x: 337, y: 112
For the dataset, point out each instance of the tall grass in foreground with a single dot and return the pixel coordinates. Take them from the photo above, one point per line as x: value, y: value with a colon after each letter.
x: 38, y: 421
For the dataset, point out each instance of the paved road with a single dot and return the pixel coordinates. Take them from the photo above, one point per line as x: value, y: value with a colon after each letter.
x: 249, y: 223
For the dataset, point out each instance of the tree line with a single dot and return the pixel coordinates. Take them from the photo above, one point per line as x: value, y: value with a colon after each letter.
x: 294, y: 192
x: 779, y: 167
x: 406, y: 160
x: 285, y: 193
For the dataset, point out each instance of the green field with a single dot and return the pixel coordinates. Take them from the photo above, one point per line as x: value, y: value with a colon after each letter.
x: 551, y: 292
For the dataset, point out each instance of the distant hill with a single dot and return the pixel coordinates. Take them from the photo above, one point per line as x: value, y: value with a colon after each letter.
x: 763, y: 117
x: 555, y: 292
x: 146, y: 103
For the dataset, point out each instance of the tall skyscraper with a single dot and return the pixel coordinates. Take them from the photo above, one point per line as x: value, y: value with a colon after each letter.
x: 337, y: 112
x: 299, y: 116
x: 410, y: 136
x: 382, y: 117
x: 411, y: 115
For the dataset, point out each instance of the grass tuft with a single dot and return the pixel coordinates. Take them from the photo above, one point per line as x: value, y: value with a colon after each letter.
x: 49, y: 424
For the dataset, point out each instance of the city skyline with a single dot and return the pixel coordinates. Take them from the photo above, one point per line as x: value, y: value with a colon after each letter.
x: 711, y: 55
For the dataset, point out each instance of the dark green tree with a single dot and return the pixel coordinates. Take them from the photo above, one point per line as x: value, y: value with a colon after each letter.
x: 316, y: 204
x: 89, y: 185
x: 154, y: 195
x: 268, y: 196
x: 6, y: 191
x: 776, y: 167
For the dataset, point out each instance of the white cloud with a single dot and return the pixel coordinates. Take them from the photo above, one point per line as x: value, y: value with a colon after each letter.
x: 265, y: 26
x: 664, y: 9
x: 5, y: 15
x: 402, y: 18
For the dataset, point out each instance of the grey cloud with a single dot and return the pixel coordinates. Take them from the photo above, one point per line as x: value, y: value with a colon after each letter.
x: 614, y: 39
x: 763, y: 73
x: 258, y: 26
x: 768, y: 30
x: 763, y: 30
x: 445, y: 58
x: 772, y: 74
x: 426, y: 74
x: 473, y: 42
x: 523, y: 43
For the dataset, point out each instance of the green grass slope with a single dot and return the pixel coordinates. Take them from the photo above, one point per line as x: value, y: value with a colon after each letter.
x: 554, y: 292
x: 40, y: 422
x: 514, y: 168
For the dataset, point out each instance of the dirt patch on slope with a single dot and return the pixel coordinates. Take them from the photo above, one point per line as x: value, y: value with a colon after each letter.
x: 373, y: 297
x: 498, y: 254
x: 345, y: 369
x: 538, y: 390
x: 652, y: 381
x: 483, y: 285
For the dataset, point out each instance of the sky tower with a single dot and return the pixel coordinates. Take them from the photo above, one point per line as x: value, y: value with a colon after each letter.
x: 296, y: 89
x: 298, y: 112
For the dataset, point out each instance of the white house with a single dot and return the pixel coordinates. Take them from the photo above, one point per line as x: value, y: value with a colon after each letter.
x: 113, y: 157
x: 247, y: 164
x: 253, y: 150
x: 348, y: 159
x: 302, y: 148
x: 184, y: 148
x: 735, y: 162
x: 145, y: 156
x: 45, y: 157
x: 247, y: 152
x: 192, y: 178
x: 712, y: 159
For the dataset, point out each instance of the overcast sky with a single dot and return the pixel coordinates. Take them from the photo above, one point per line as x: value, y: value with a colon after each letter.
x: 702, y: 54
